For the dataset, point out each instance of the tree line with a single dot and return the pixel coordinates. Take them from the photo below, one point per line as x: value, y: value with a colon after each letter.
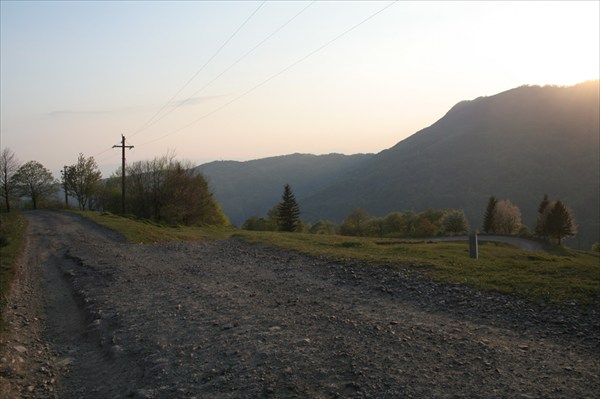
x: 554, y: 221
x: 284, y: 216
x: 163, y: 189
x: 167, y: 190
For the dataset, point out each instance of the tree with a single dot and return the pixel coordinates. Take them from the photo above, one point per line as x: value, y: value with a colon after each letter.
x: 35, y: 181
x: 187, y: 200
x: 8, y: 167
x: 455, y: 222
x: 394, y: 224
x: 82, y: 180
x: 488, y: 217
x: 540, y: 228
x: 375, y: 227
x: 425, y: 227
x: 507, y: 218
x: 324, y: 227
x: 558, y: 221
x: 355, y: 223
x: 288, y: 211
x: 167, y: 190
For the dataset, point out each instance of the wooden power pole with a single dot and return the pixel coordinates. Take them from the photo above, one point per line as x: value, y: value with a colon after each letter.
x: 123, y: 146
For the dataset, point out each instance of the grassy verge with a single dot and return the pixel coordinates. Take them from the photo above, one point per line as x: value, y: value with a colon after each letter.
x: 559, y: 276
x: 12, y: 238
x: 147, y: 232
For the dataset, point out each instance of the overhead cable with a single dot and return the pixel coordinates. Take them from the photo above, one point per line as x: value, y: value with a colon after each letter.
x: 179, y: 104
x: 272, y: 76
x: 150, y: 121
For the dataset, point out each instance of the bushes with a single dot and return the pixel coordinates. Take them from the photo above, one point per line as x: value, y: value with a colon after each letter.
x: 167, y: 191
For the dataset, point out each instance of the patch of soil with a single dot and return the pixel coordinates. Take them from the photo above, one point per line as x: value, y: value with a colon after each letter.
x: 95, y: 317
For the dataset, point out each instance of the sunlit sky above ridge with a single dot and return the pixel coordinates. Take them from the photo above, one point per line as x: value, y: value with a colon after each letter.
x: 77, y: 75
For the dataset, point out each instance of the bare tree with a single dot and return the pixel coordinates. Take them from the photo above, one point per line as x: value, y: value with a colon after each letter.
x: 8, y: 167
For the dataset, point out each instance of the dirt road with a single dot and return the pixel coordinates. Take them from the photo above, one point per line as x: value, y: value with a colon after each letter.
x: 94, y: 317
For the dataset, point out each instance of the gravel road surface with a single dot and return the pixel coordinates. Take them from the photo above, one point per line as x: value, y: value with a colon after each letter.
x: 92, y: 316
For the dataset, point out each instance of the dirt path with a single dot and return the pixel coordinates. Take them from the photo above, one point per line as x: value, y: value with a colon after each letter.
x: 230, y: 320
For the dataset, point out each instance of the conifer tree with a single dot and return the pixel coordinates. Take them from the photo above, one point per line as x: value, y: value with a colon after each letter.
x: 540, y: 228
x: 288, y: 211
x: 559, y: 222
x: 488, y: 217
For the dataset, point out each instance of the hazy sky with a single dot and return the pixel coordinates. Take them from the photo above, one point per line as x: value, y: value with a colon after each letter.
x: 258, y: 79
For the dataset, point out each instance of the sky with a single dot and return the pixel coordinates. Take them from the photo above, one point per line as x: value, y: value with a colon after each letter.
x: 242, y: 80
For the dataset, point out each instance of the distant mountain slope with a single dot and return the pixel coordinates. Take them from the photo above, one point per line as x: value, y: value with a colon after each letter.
x: 518, y: 144
x: 251, y: 188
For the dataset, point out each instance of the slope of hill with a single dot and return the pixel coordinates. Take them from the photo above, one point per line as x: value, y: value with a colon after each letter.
x: 251, y: 188
x: 518, y: 144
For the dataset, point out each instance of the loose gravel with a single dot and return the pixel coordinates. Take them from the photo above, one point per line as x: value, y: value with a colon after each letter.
x: 92, y: 316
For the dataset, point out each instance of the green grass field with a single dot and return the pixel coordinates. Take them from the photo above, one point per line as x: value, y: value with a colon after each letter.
x: 148, y: 232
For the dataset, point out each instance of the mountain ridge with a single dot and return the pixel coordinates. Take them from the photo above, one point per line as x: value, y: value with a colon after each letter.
x: 518, y: 144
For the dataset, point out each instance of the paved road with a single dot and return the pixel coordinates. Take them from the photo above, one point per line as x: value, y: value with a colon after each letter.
x: 523, y: 243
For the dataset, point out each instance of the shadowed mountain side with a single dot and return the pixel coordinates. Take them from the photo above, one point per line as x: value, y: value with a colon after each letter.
x: 518, y: 144
x: 251, y: 188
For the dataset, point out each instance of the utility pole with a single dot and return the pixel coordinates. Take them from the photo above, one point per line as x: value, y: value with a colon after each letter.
x: 123, y: 146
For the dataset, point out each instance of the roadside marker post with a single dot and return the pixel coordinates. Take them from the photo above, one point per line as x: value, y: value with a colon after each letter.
x: 473, y: 247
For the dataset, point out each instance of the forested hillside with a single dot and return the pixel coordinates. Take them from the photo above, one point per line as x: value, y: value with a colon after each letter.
x: 518, y: 144
x: 251, y: 188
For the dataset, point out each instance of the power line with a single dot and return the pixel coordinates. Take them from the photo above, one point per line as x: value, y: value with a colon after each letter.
x: 272, y: 76
x: 150, y: 121
x: 227, y: 69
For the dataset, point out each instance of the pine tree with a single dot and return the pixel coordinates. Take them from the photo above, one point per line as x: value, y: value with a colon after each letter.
x: 559, y: 222
x: 288, y: 211
x: 540, y: 228
x: 488, y: 217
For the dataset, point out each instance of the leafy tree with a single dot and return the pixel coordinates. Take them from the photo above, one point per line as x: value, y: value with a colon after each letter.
x: 455, y: 222
x: 288, y: 211
x: 375, y: 227
x: 8, y: 167
x: 188, y: 201
x: 324, y: 227
x: 35, y: 181
x: 394, y: 224
x: 559, y: 222
x: 170, y: 191
x: 507, y: 218
x: 355, y: 223
x: 108, y: 196
x: 260, y: 224
x: 425, y: 227
x: 410, y: 220
x: 488, y: 217
x: 82, y: 180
